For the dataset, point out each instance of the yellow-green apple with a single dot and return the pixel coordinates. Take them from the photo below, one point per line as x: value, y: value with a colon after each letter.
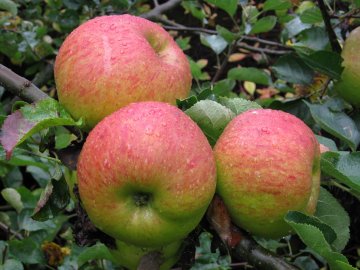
x: 268, y: 163
x: 348, y: 87
x: 130, y: 256
x: 111, y: 61
x: 146, y: 174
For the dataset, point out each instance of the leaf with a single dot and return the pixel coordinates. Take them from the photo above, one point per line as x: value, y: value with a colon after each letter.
x: 302, y: 218
x: 292, y: 69
x: 265, y: 24
x: 335, y: 122
x: 206, y: 259
x: 230, y: 6
x: 13, y: 198
x: 98, y: 251
x: 30, y: 119
x: 306, y: 263
x: 314, y: 239
x: 326, y: 62
x: 343, y: 166
x: 327, y: 142
x: 330, y: 211
x: 26, y: 250
x: 211, y: 117
x: 224, y: 87
x: 311, y: 15
x: 225, y: 33
x: 9, y: 5
x: 249, y: 74
x: 295, y: 26
x: 276, y: 5
x: 314, y: 38
x: 215, y: 42
x: 53, y: 200
x: 12, y: 264
x: 238, y: 105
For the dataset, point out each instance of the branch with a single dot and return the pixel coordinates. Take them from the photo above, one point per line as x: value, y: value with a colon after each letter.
x: 7, y: 229
x: 159, y: 9
x: 20, y: 86
x: 332, y: 36
x: 262, y: 50
x: 240, y: 244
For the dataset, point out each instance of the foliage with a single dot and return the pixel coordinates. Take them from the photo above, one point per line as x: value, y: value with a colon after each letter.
x: 243, y: 55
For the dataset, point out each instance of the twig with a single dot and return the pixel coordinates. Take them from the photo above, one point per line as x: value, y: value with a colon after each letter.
x: 332, y: 36
x: 6, y: 228
x: 240, y: 244
x: 158, y: 10
x: 20, y: 86
x: 223, y: 64
x: 262, y: 50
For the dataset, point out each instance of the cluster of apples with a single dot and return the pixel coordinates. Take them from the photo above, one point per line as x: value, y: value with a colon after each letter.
x: 147, y: 173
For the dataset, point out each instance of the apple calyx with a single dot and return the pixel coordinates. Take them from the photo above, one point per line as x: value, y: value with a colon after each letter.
x: 142, y: 199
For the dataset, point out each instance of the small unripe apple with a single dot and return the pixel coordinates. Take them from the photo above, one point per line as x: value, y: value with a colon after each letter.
x: 146, y: 174
x: 130, y: 256
x: 268, y: 163
x: 348, y: 87
x: 111, y: 61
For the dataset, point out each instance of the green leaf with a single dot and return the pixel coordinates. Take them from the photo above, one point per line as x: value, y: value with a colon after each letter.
x: 343, y: 166
x: 302, y: 218
x: 265, y: 24
x: 335, y: 122
x: 224, y: 87
x: 9, y: 5
x: 326, y: 62
x: 292, y: 69
x: 327, y: 142
x: 238, y: 105
x: 13, y: 198
x: 314, y: 239
x: 30, y: 119
x: 225, y: 33
x: 63, y: 137
x: 295, y: 26
x: 230, y: 6
x: 26, y: 250
x: 276, y: 5
x: 330, y: 211
x: 98, y: 251
x: 12, y: 264
x: 314, y: 38
x: 215, y: 42
x: 312, y: 16
x: 53, y: 200
x: 211, y: 117
x: 206, y: 259
x: 250, y: 74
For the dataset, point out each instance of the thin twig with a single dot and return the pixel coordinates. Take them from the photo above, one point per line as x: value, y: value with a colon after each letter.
x: 6, y: 228
x: 262, y: 50
x: 223, y: 64
x: 332, y: 36
x: 20, y: 86
x: 158, y: 10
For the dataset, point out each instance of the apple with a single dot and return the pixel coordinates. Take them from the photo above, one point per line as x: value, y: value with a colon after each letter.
x: 146, y: 174
x: 348, y: 87
x: 268, y: 163
x: 129, y: 256
x: 111, y: 61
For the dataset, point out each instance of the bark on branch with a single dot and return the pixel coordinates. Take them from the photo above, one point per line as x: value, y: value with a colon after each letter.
x: 159, y: 9
x: 20, y: 86
x: 240, y: 244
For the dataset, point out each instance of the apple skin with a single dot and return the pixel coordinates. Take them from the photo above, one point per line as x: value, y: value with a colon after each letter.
x: 146, y: 174
x: 348, y: 87
x: 129, y: 256
x: 111, y: 61
x: 268, y: 163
